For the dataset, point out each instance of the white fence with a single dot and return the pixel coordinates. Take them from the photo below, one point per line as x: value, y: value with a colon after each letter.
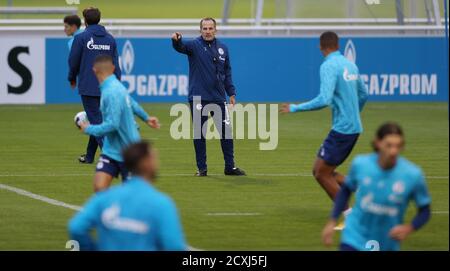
x: 238, y: 27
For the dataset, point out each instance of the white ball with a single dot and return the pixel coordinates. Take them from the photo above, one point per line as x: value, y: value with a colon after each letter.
x: 80, y: 117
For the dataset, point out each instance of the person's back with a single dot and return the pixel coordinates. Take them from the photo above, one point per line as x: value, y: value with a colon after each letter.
x: 132, y: 216
x: 94, y: 41
x: 119, y: 109
x: 345, y: 101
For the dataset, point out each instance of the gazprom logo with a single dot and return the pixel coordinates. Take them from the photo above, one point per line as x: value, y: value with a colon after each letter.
x: 91, y: 46
x: 350, y: 51
x: 145, y: 84
x: 127, y: 58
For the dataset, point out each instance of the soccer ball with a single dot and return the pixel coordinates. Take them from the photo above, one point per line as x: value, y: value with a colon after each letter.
x: 80, y: 117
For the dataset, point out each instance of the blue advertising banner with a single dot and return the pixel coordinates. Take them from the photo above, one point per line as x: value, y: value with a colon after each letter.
x: 270, y: 69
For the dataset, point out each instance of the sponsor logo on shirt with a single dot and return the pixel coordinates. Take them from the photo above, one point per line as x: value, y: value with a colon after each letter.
x: 368, y: 205
x: 112, y: 220
x: 348, y: 76
x: 91, y: 46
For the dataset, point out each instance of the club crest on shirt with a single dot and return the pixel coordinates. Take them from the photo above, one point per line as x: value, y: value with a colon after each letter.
x: 398, y: 187
x: 220, y: 50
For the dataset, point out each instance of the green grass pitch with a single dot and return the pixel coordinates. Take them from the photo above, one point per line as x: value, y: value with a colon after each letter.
x: 40, y: 145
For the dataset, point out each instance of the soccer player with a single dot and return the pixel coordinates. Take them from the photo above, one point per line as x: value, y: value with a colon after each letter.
x: 118, y: 127
x: 133, y: 216
x: 343, y: 90
x: 210, y: 79
x: 384, y: 183
x: 93, y: 41
x: 72, y: 24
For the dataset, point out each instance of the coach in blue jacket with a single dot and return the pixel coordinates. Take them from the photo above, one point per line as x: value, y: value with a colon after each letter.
x: 94, y: 41
x: 209, y: 80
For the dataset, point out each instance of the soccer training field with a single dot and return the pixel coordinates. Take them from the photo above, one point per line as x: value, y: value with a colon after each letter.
x: 278, y: 206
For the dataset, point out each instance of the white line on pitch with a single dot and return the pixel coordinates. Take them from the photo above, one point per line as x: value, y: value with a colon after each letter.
x: 48, y: 175
x: 232, y: 214
x: 440, y: 212
x: 56, y: 203
x: 39, y: 197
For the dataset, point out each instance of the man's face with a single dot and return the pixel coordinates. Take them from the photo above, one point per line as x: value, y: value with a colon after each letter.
x: 69, y: 29
x: 389, y: 148
x: 208, y: 30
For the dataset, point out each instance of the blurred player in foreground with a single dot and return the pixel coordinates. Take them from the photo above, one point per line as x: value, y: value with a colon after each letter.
x: 118, y: 127
x: 341, y: 88
x: 132, y: 216
x: 384, y: 183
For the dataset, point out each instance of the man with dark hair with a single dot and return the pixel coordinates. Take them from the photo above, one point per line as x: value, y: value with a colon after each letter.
x: 91, y: 15
x: 133, y: 216
x: 95, y: 40
x: 384, y: 183
x: 209, y: 83
x: 118, y: 125
x: 343, y: 90
x: 72, y: 24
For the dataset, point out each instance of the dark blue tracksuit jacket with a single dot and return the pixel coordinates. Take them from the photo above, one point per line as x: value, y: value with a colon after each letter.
x: 94, y: 41
x: 209, y: 69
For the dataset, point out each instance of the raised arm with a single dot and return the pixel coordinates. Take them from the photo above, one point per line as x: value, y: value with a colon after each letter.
x: 179, y: 45
x: 328, y: 79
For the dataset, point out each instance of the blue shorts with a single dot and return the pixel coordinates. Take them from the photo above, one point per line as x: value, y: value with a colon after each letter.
x: 345, y: 247
x: 111, y: 167
x: 337, y: 147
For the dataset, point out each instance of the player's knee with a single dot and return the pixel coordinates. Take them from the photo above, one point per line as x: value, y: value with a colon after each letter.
x: 319, y: 175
